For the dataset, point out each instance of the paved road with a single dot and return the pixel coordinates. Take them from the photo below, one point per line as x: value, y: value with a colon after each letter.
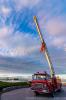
x: 27, y: 94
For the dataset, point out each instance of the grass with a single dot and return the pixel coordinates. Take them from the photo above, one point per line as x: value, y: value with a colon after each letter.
x: 10, y: 84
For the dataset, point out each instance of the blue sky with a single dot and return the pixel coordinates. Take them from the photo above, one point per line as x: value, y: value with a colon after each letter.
x: 19, y: 40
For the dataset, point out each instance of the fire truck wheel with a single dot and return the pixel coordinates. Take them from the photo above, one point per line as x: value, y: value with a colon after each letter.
x: 60, y: 89
x: 36, y: 93
x: 52, y: 94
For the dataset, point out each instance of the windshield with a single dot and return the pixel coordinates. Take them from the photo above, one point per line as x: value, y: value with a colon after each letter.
x: 38, y: 77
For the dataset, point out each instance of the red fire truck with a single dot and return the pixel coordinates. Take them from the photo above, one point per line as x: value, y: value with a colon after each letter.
x: 42, y: 82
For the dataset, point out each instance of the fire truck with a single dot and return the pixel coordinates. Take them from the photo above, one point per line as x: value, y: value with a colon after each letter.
x: 42, y: 82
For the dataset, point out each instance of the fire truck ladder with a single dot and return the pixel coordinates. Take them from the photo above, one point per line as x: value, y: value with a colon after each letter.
x: 52, y: 73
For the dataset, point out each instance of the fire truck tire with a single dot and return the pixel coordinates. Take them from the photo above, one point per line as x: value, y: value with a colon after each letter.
x: 51, y: 94
x: 60, y: 89
x: 36, y: 93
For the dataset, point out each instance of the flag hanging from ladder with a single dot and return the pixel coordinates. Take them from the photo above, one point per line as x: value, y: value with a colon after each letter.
x: 43, y: 47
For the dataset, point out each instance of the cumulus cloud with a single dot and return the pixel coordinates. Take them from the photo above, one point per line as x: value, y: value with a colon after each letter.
x: 20, y: 44
x: 25, y: 3
x: 17, y: 44
x: 23, y: 51
x: 56, y: 26
x: 55, y: 29
x: 5, y: 10
x: 14, y: 43
x: 5, y: 31
x: 23, y: 44
x: 58, y: 42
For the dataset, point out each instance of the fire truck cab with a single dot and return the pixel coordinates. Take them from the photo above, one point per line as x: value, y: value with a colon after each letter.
x: 43, y: 83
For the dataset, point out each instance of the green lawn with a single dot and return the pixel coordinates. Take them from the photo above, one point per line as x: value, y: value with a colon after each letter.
x: 10, y: 84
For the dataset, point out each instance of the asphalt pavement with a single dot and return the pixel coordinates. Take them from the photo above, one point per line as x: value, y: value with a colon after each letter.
x: 27, y: 94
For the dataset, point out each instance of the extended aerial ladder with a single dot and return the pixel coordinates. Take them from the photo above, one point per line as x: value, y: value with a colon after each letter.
x: 44, y: 48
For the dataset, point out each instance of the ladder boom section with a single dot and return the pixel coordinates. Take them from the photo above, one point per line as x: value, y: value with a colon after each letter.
x: 46, y: 50
x: 49, y: 62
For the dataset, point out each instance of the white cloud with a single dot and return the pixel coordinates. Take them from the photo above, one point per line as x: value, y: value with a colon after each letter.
x: 19, y: 4
x: 19, y: 44
x: 58, y: 42
x: 23, y: 51
x: 56, y: 26
x: 24, y: 44
x: 5, y: 34
x: 5, y: 10
x: 55, y: 29
x: 5, y: 31
x: 65, y: 49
